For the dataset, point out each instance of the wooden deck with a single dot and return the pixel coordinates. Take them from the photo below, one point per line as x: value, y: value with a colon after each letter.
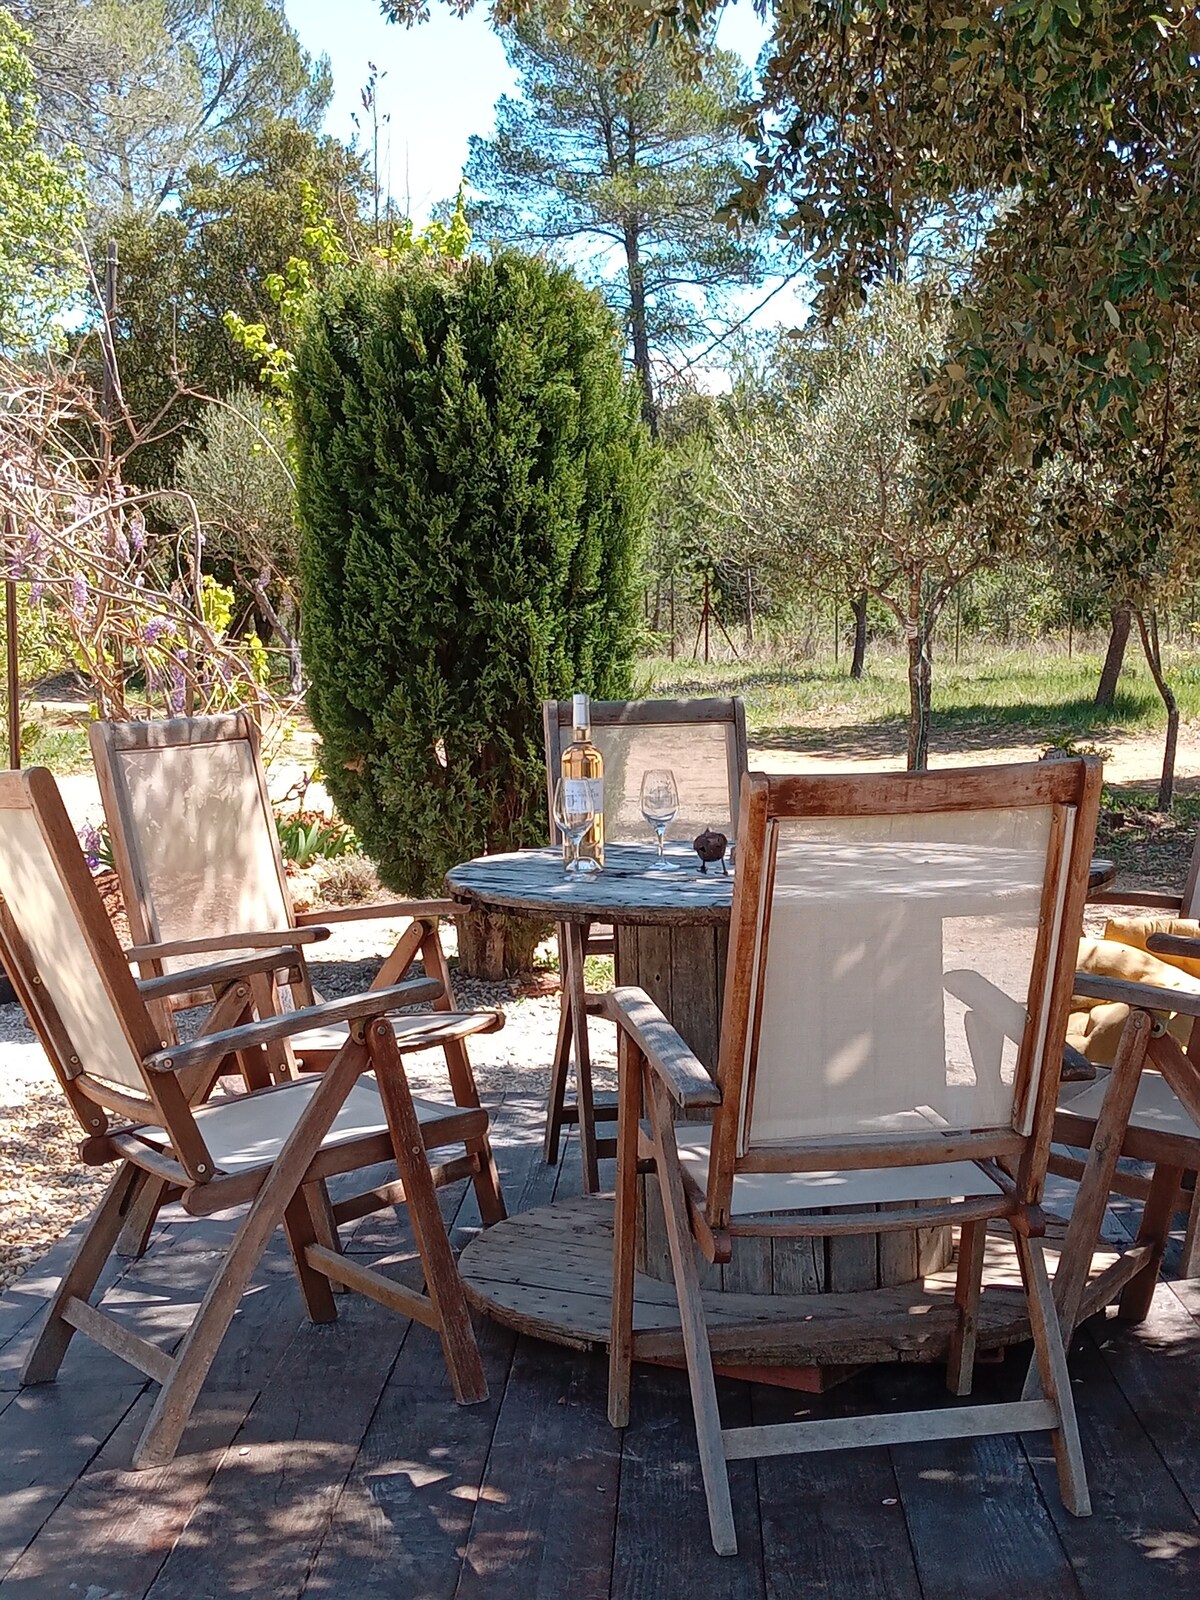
x: 332, y: 1461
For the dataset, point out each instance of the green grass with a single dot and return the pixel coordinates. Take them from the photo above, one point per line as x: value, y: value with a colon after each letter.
x: 1016, y: 696
x: 64, y: 750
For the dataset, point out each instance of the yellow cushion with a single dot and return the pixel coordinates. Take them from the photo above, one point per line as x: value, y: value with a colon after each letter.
x: 1113, y: 958
x: 1135, y: 931
x: 1095, y: 1025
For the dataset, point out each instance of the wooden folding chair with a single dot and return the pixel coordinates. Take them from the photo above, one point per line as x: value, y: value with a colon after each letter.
x: 900, y: 965
x: 704, y: 743
x: 197, y: 853
x: 272, y: 1148
x: 1146, y: 1106
x: 1159, y: 1124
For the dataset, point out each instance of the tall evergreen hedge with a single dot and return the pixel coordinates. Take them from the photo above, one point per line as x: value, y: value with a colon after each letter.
x: 472, y: 490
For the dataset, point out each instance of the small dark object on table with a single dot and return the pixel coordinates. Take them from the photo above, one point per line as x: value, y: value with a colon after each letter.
x: 710, y: 846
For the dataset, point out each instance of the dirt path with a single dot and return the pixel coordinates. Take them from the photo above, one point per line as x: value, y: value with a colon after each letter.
x: 1134, y: 758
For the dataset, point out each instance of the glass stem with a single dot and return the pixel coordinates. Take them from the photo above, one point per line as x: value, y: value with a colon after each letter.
x: 662, y: 834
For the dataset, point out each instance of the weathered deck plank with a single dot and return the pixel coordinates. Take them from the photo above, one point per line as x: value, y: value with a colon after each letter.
x: 662, y: 1526
x: 832, y: 1523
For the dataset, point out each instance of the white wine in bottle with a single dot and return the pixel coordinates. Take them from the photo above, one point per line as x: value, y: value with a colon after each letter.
x: 583, y: 764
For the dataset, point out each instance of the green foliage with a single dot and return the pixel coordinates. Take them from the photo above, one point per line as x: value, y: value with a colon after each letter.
x: 308, y: 836
x: 147, y: 89
x: 41, y: 207
x: 626, y: 165
x: 235, y: 470
x: 472, y: 489
x: 43, y: 640
x: 225, y: 245
x: 827, y: 481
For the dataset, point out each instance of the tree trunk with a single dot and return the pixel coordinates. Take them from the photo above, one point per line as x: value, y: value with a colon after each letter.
x: 638, y: 336
x: 291, y: 642
x: 858, y: 661
x: 920, y: 678
x: 1153, y: 653
x: 1114, y: 660
x: 492, y: 946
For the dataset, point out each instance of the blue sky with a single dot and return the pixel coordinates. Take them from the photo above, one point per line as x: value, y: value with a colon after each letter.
x: 442, y: 81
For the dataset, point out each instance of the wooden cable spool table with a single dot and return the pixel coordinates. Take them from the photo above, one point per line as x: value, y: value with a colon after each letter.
x: 788, y: 1303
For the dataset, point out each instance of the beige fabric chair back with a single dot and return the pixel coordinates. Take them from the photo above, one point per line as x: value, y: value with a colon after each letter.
x: 192, y: 828
x: 703, y: 742
x: 59, y: 945
x: 901, y: 957
x: 1190, y: 905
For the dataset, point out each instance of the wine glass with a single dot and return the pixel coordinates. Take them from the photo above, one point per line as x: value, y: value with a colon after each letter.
x: 660, y: 805
x: 574, y: 814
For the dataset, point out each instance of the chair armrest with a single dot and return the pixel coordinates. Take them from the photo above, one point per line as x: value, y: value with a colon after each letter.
x: 1173, y: 944
x: 1142, y: 996
x: 267, y: 939
x: 685, y: 1077
x: 1148, y: 899
x: 356, y: 1007
x: 382, y: 908
x: 212, y: 976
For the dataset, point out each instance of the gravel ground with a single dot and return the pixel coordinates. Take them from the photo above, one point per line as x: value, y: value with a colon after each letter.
x: 44, y: 1189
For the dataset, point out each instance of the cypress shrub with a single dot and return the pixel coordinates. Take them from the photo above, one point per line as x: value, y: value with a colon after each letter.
x: 472, y: 486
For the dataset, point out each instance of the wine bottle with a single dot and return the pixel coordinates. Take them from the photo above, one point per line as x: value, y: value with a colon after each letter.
x: 583, y: 764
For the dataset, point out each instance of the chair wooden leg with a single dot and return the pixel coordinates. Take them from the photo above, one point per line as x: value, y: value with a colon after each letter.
x: 968, y: 1287
x: 171, y: 1410
x: 486, y: 1180
x: 695, y: 1332
x: 304, y: 1221
x: 620, y: 1348
x: 140, y: 1219
x: 1095, y: 1187
x: 1052, y: 1368
x: 442, y: 1282
x: 576, y: 952
x: 325, y: 1230
x: 1155, y: 1229
x: 45, y: 1355
x: 560, y: 1063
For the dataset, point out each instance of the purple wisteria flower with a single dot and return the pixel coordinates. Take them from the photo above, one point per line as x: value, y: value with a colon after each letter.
x: 94, y: 846
x: 79, y: 594
x: 137, y: 531
x: 153, y: 631
x: 176, y: 685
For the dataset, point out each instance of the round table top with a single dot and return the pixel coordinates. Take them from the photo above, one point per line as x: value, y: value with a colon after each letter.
x: 626, y: 892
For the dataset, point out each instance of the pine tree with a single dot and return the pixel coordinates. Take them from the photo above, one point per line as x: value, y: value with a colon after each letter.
x: 472, y: 488
x: 626, y: 164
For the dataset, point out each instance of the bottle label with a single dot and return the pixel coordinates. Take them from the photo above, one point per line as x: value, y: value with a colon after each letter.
x: 584, y: 794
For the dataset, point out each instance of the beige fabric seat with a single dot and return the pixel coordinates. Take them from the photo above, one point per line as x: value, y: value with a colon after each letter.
x: 1156, y: 1108
x: 419, y: 1031
x: 249, y: 1131
x: 757, y: 1192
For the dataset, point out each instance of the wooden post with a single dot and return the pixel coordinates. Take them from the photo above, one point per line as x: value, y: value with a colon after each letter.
x: 1070, y: 626
x: 957, y: 622
x: 109, y: 390
x: 14, y: 684
x: 11, y: 643
x: 672, y: 616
